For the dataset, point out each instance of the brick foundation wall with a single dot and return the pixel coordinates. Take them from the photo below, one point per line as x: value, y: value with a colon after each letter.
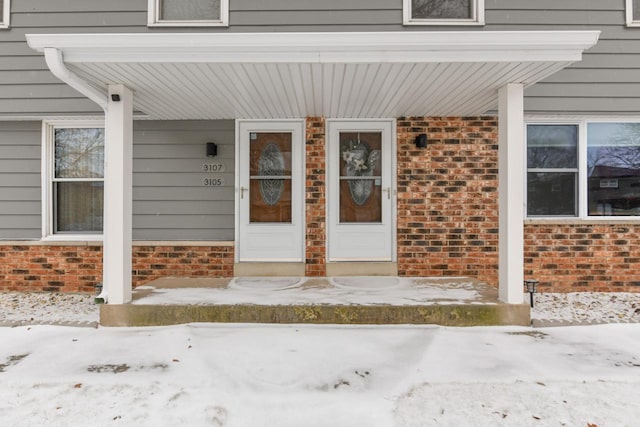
x: 583, y: 257
x: 315, y: 198
x: 447, y: 197
x: 77, y: 268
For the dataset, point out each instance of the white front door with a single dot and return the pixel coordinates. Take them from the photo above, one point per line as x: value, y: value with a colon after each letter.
x: 270, y: 191
x: 361, y: 194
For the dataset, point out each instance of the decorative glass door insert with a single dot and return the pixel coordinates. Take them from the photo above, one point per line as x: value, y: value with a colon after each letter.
x: 360, y: 177
x: 360, y: 198
x: 270, y: 177
x: 270, y: 191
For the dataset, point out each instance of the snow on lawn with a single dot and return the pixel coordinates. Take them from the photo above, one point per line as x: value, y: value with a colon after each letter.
x: 295, y: 375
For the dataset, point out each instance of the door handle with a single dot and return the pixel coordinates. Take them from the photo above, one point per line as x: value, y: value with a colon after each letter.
x: 242, y: 190
x: 388, y: 190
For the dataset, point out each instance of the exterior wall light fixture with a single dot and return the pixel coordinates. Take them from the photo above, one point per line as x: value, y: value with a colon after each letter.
x: 212, y: 149
x: 421, y: 141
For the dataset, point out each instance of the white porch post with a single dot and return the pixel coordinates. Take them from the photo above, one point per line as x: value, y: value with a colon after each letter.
x: 511, y: 175
x: 118, y: 195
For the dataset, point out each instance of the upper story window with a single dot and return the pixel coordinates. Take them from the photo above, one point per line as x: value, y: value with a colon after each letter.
x: 633, y: 13
x: 73, y: 186
x: 585, y: 169
x: 443, y: 12
x: 189, y: 13
x: 5, y: 13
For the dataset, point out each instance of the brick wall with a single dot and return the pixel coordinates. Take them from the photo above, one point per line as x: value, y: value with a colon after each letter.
x: 154, y: 262
x: 315, y: 195
x: 77, y: 268
x: 447, y: 197
x: 583, y: 257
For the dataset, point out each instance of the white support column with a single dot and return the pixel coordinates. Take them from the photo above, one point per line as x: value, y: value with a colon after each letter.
x: 118, y: 195
x: 511, y: 176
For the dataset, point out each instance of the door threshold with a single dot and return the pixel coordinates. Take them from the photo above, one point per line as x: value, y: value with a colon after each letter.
x: 244, y: 269
x: 362, y: 268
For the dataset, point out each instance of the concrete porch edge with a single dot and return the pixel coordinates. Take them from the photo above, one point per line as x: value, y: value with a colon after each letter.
x: 444, y: 315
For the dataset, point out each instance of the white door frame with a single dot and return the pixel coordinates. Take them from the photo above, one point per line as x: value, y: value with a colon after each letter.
x: 297, y: 127
x: 366, y: 125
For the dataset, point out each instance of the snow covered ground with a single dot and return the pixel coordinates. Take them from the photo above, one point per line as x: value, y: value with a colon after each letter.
x: 289, y: 375
x: 313, y: 375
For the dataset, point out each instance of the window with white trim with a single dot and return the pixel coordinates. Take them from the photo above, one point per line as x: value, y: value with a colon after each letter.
x: 73, y: 164
x: 5, y: 13
x: 188, y: 13
x: 633, y: 13
x: 587, y: 169
x: 443, y: 12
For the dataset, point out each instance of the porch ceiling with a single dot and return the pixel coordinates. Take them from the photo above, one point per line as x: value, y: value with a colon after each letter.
x: 287, y: 75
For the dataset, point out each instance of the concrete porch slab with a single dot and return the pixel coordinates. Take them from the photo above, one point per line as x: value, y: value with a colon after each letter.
x: 352, y: 300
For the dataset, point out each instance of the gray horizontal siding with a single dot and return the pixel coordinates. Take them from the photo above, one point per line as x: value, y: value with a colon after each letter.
x: 26, y: 87
x: 169, y: 200
x: 20, y: 190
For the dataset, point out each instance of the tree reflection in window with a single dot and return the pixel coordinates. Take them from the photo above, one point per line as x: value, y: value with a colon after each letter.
x: 79, y: 153
x: 442, y: 9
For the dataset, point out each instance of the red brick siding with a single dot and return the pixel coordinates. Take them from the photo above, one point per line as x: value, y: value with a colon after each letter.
x: 78, y: 268
x: 583, y: 257
x: 50, y: 268
x: 154, y: 262
x: 315, y: 195
x: 447, y: 197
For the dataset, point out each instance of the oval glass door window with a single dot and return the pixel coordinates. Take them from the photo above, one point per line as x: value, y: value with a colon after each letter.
x: 270, y: 177
x: 360, y: 177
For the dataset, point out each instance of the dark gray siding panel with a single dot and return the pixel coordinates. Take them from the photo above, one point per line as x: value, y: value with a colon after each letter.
x: 26, y: 88
x: 20, y: 192
x: 169, y: 199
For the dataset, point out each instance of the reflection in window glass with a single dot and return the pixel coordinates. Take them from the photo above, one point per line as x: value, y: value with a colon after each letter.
x: 551, y: 194
x: 441, y: 9
x: 189, y: 10
x: 553, y: 146
x: 1, y: 11
x: 636, y: 10
x: 613, y: 163
x: 79, y: 153
x: 552, y: 164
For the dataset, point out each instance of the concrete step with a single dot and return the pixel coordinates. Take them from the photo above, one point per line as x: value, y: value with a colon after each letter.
x: 441, y: 301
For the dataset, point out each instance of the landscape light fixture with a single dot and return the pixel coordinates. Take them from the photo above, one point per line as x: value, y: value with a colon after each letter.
x: 532, y: 288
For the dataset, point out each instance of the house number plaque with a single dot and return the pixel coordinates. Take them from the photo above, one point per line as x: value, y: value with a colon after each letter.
x: 213, y: 182
x: 214, y: 167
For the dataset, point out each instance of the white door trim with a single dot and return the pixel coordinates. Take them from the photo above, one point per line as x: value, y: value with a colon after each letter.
x: 298, y: 175
x: 330, y: 150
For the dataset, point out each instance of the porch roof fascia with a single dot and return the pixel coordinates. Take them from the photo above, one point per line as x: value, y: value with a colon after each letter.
x: 325, y: 47
x: 286, y: 75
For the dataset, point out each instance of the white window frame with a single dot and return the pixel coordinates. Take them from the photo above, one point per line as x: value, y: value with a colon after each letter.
x: 6, y: 15
x: 583, y: 204
x: 477, y: 17
x: 48, y: 170
x: 629, y: 14
x: 153, y: 19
